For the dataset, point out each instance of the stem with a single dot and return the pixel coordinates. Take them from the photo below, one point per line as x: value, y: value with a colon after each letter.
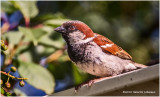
x: 27, y: 21
x: 8, y: 76
x: 54, y: 56
x: 13, y: 77
x: 5, y: 28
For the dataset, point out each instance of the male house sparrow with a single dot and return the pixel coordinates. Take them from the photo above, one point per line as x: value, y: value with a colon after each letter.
x: 95, y: 53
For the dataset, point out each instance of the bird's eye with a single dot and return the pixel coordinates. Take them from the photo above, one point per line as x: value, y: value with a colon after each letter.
x: 71, y: 28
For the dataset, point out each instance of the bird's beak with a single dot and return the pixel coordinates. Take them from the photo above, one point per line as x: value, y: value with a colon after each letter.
x: 60, y: 29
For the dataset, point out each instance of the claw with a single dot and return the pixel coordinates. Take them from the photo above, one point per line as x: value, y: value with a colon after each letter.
x: 90, y: 83
x: 77, y: 87
x: 75, y: 91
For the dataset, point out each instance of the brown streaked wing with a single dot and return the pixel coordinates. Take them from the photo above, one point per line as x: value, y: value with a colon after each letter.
x: 114, y: 49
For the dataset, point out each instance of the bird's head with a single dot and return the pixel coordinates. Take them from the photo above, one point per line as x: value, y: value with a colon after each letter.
x: 74, y: 31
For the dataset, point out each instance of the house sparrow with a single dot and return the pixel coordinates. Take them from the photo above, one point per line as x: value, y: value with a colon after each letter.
x: 95, y: 53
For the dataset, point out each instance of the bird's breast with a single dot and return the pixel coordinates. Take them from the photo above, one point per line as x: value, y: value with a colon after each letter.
x: 76, y: 52
x: 90, y: 58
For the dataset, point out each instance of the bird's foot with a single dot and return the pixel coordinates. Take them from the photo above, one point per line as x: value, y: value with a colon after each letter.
x: 88, y: 84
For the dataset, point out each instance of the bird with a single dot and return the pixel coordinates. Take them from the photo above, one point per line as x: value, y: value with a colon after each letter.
x: 94, y: 53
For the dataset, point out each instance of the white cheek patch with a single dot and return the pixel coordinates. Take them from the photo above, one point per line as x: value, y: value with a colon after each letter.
x: 75, y: 37
x: 107, y: 45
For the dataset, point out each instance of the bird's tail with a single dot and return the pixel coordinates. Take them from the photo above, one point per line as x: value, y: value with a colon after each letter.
x: 139, y: 66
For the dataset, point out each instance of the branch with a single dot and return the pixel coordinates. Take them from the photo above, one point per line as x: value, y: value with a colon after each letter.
x: 13, y: 77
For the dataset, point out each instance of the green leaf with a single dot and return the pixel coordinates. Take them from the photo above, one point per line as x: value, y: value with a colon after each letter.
x: 28, y: 8
x: 7, y: 7
x: 2, y: 91
x: 79, y: 75
x: 37, y: 76
x: 27, y: 56
x: 48, y: 41
x: 55, y: 22
x: 48, y: 29
x: 19, y: 92
x: 48, y: 16
x: 33, y: 34
x: 12, y: 36
x: 51, y: 38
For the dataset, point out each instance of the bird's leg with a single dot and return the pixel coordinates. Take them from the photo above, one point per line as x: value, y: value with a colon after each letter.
x: 82, y: 84
x: 90, y: 82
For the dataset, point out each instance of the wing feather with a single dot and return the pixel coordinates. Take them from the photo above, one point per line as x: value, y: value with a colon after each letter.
x: 109, y: 47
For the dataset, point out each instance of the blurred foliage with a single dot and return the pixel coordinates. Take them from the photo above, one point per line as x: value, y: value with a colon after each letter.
x: 38, y: 76
x: 7, y: 76
x: 28, y: 9
x: 27, y: 29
